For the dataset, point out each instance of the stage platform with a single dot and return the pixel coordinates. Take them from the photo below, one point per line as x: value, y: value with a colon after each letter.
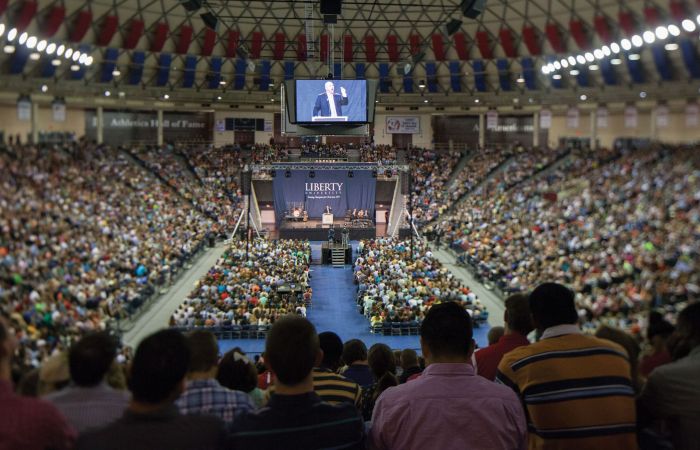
x: 313, y: 230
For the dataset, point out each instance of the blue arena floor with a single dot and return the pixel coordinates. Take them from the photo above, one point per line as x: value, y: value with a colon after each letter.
x: 334, y: 309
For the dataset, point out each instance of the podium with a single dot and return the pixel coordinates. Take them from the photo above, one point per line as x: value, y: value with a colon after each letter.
x: 329, y: 119
x: 327, y: 219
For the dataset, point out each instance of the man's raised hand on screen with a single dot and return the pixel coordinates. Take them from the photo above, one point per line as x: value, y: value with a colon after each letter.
x: 343, y: 92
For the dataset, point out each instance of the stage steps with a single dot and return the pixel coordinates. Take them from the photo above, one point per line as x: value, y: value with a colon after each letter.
x: 338, y: 257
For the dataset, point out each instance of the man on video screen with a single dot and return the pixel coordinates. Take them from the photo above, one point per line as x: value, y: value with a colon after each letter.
x: 330, y: 104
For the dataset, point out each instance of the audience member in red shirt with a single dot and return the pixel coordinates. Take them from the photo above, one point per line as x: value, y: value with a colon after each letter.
x: 518, y: 324
x: 657, y: 334
x: 27, y: 423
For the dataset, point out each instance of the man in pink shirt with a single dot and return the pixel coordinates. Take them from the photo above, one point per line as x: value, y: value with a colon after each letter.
x: 448, y: 406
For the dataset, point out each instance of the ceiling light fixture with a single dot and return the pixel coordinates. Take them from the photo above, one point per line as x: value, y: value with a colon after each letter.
x: 476, y: 100
x: 606, y: 50
x: 166, y: 96
x: 116, y: 73
x: 82, y: 58
x: 34, y: 56
x: 637, y: 40
x: 556, y: 76
x: 614, y: 47
x: 75, y: 67
x: 626, y: 44
x: 55, y: 62
x: 107, y: 93
x: 634, y: 56
x: 2, y: 29
x: 583, y: 97
x: 9, y: 49
x: 23, y: 38
x: 598, y: 53
x: 616, y: 61
x: 44, y: 88
x: 564, y: 63
x: 580, y: 59
x: 671, y: 46
x: 688, y: 25
x: 649, y: 37
x: 31, y: 41
x: 642, y: 94
x: 593, y: 67
x: 41, y: 45
x: 68, y: 53
x: 589, y: 57
x: 50, y: 48
x: 673, y: 30
x: 12, y: 34
x: 572, y: 60
x: 557, y: 65
x: 661, y: 32
x: 61, y: 48
x: 88, y: 61
x: 574, y: 72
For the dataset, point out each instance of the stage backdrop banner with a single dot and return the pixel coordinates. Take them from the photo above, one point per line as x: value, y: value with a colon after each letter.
x: 332, y: 188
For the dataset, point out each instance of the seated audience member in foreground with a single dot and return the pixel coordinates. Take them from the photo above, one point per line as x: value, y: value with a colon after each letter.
x: 89, y: 402
x: 448, y: 406
x: 295, y: 417
x: 237, y: 372
x: 518, y: 324
x: 330, y: 386
x: 381, y: 362
x: 495, y: 333
x: 203, y: 393
x: 27, y: 423
x: 672, y: 392
x: 576, y: 388
x: 152, y: 420
x: 410, y: 366
x: 355, y: 356
x: 658, y: 333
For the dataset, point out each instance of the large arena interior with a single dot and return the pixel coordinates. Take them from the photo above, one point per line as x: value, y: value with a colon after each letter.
x: 349, y: 224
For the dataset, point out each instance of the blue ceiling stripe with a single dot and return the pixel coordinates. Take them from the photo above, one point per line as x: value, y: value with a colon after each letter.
x: 528, y: 68
x: 384, y: 82
x: 136, y: 70
x: 289, y: 70
x: 479, y: 75
x: 608, y: 72
x: 109, y: 63
x: 455, y: 76
x: 164, y: 62
x: 190, y: 71
x: 503, y: 74
x: 635, y: 69
x: 265, y: 74
x: 431, y: 74
x: 661, y: 61
x: 360, y: 71
x: 239, y: 78
x: 690, y: 57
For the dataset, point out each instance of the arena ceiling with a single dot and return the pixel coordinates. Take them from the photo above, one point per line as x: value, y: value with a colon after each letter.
x: 145, y: 50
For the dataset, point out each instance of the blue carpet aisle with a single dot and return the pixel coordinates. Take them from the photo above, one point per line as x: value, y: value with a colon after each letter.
x: 334, y: 309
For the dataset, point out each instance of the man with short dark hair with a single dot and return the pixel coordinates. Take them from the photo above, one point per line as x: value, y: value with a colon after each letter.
x: 577, y: 389
x: 295, y: 416
x: 409, y: 364
x: 203, y: 393
x: 448, y: 406
x: 89, y: 402
x: 152, y: 420
x: 27, y: 423
x: 518, y: 324
x: 672, y: 392
x: 355, y: 356
x: 495, y: 333
x: 330, y: 386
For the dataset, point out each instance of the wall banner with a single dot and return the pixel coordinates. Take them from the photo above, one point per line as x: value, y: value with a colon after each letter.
x: 545, y: 119
x: 602, y: 115
x: 630, y: 117
x: 491, y: 119
x: 572, y: 118
x: 402, y: 124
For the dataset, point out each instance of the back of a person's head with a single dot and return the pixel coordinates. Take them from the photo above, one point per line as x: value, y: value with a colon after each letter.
x: 332, y: 347
x: 409, y: 358
x: 291, y: 349
x: 552, y: 304
x: 495, y: 333
x: 519, y: 317
x: 90, y: 358
x: 447, y: 330
x: 381, y: 360
x: 237, y: 372
x: 354, y: 350
x: 658, y: 326
x: 688, y: 325
x: 621, y: 338
x: 159, y: 366
x: 204, y: 350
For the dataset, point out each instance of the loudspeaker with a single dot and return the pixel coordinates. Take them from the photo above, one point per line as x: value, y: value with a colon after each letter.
x: 329, y: 7
x: 191, y: 5
x: 246, y: 179
x: 404, y: 183
x: 453, y: 26
x: 472, y: 8
x: 209, y: 20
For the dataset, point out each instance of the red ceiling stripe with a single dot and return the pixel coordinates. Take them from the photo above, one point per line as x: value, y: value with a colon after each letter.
x: 414, y: 41
x: 651, y: 15
x: 677, y: 10
x: 578, y: 32
x: 278, y: 52
x: 53, y: 21
x: 393, y: 47
x: 347, y: 48
x: 185, y: 39
x: 301, y: 47
x: 627, y: 22
x: 602, y: 27
x: 232, y: 43
x: 160, y: 34
x: 531, y: 40
x: 438, y: 46
x: 134, y: 34
x: 25, y: 15
x: 209, y: 42
x: 80, y: 25
x: 107, y: 30
x: 3, y: 6
x: 370, y: 49
x: 461, y: 46
x: 506, y: 38
x: 256, y: 45
x: 483, y: 41
x: 554, y: 37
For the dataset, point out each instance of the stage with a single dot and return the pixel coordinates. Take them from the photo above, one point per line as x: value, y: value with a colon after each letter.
x: 313, y: 230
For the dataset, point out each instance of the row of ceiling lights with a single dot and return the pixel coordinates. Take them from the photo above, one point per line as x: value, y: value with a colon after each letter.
x: 39, y: 46
x: 661, y: 33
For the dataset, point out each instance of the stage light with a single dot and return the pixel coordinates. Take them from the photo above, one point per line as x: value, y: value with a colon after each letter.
x: 287, y: 173
x: 453, y: 26
x: 421, y: 84
x: 312, y: 174
x: 350, y: 174
x: 209, y: 20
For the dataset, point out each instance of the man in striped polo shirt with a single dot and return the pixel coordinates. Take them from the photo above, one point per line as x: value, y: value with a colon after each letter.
x: 330, y: 386
x: 576, y: 389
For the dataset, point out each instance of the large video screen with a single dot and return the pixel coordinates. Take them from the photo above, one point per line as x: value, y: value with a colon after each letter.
x: 331, y: 101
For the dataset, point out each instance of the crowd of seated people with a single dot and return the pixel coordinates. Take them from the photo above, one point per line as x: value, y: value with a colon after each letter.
x: 430, y: 171
x: 268, y: 154
x: 311, y: 390
x: 395, y: 286
x: 620, y: 229
x: 86, y: 236
x: 209, y: 198
x: 271, y: 283
x: 218, y: 167
x: 324, y: 151
x: 479, y: 167
x: 383, y: 154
